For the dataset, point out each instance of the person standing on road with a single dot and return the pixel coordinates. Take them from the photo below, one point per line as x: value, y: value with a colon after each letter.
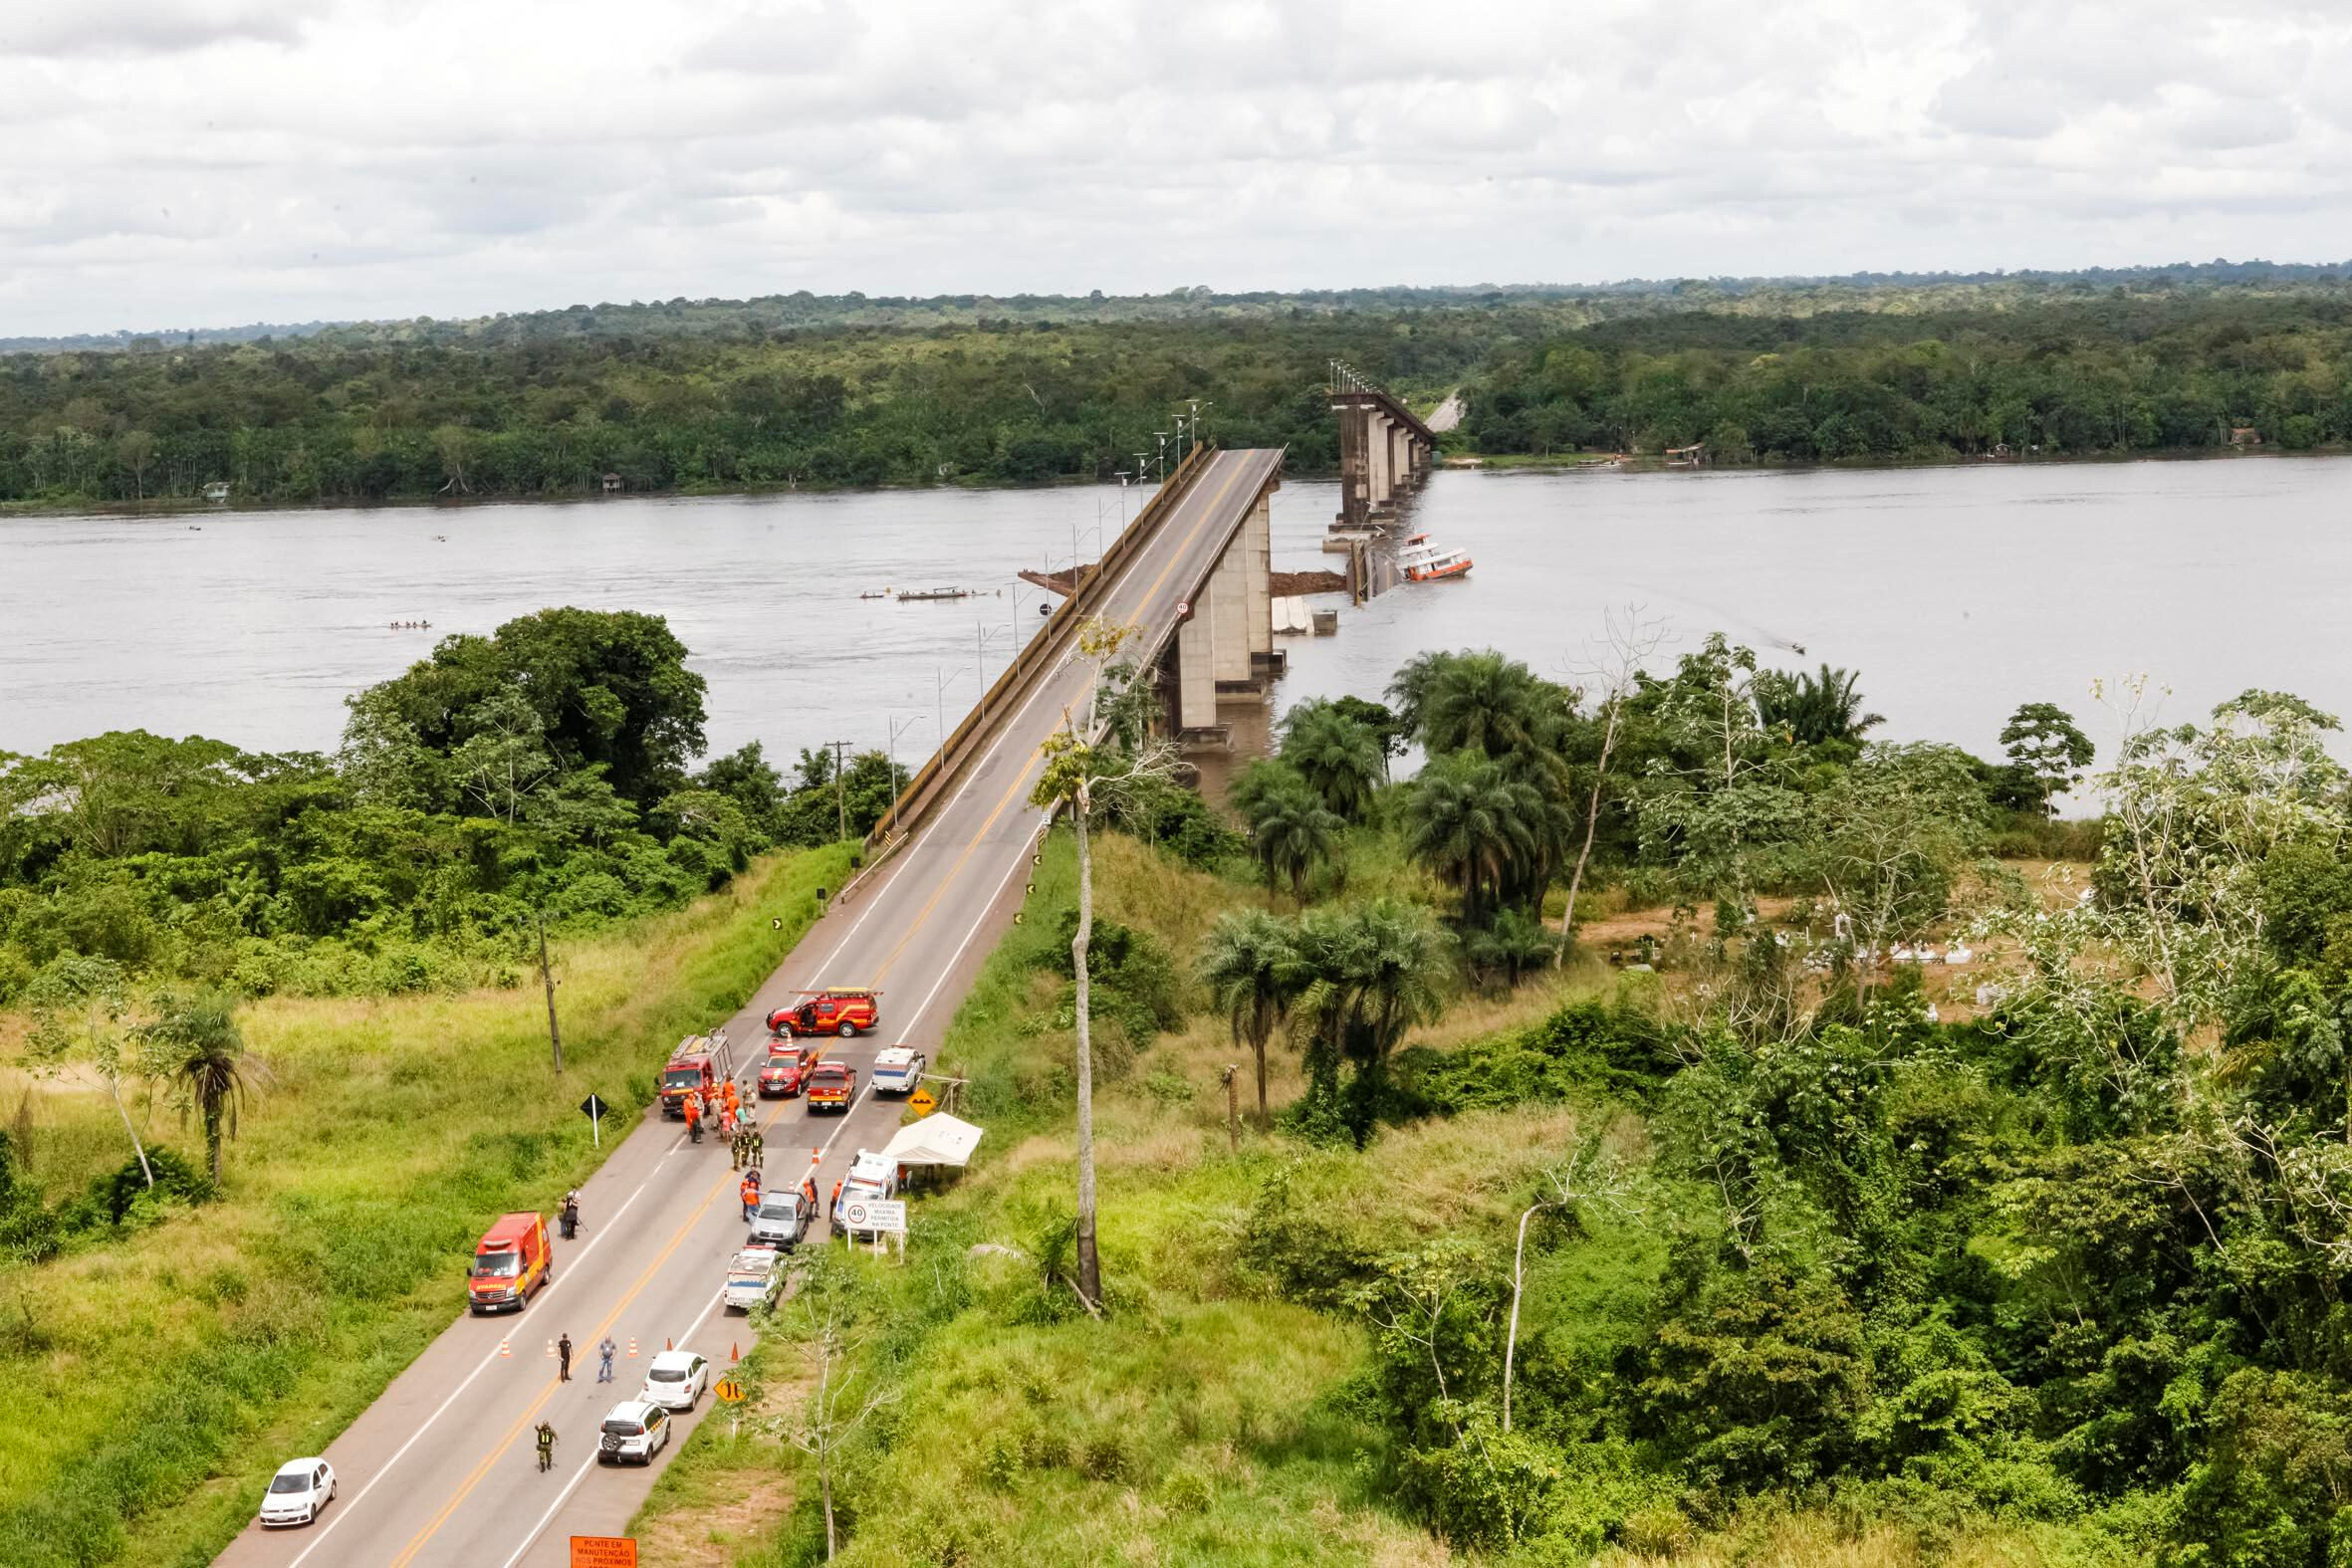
x: 547, y: 1448
x: 749, y: 1191
x: 604, y: 1360
x: 759, y: 1147
x: 563, y: 1359
x: 693, y: 1119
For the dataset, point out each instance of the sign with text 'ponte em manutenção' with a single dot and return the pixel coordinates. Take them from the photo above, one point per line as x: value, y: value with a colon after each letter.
x: 603, y: 1552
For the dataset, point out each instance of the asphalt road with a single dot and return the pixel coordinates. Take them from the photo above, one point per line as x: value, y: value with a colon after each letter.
x: 442, y: 1469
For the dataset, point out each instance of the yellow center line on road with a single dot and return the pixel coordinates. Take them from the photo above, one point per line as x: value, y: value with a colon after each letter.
x: 1021, y: 777
x: 474, y: 1478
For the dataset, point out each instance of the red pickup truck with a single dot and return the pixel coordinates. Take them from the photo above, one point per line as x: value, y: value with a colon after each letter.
x: 830, y: 1087
x: 787, y: 1068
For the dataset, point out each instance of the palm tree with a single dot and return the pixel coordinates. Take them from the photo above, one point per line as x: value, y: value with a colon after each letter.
x: 1292, y: 831
x: 1372, y: 973
x: 1487, y: 703
x: 1342, y: 759
x: 1815, y: 710
x: 202, y: 1052
x: 1515, y: 944
x: 1476, y: 828
x: 1253, y: 969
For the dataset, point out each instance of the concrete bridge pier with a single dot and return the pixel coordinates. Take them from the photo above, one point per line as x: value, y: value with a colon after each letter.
x: 1384, y: 452
x: 1224, y: 645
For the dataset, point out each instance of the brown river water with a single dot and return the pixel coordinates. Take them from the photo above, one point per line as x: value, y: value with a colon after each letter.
x: 1957, y: 592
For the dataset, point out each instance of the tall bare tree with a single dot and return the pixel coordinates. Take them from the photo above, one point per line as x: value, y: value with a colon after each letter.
x: 1627, y: 640
x: 1092, y: 755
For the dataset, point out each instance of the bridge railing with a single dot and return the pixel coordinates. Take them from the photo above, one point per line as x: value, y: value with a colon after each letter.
x: 1040, y: 652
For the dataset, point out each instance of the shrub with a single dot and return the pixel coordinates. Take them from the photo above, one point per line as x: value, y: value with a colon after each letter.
x: 1490, y: 1488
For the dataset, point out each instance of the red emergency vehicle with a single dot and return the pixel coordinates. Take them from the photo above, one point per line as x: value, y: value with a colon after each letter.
x: 510, y: 1262
x: 847, y: 1011
x: 786, y: 1069
x: 698, y: 1066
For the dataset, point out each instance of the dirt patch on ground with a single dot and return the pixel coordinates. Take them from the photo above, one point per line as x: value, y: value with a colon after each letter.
x: 713, y: 1532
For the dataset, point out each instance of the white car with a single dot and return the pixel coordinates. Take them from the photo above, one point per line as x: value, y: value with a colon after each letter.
x: 297, y: 1492
x: 633, y: 1433
x: 677, y: 1380
x: 897, y: 1070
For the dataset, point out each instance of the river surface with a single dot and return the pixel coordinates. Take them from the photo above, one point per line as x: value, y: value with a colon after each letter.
x: 1957, y: 593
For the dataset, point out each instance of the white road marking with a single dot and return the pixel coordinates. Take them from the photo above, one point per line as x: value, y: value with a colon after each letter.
x: 611, y: 1226
x: 589, y: 1463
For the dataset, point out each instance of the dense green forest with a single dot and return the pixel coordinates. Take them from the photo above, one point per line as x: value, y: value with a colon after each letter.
x: 538, y: 774
x: 843, y: 391
x: 2077, y: 1255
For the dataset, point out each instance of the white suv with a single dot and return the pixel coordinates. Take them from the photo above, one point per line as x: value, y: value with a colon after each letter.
x: 677, y: 1380
x: 633, y: 1433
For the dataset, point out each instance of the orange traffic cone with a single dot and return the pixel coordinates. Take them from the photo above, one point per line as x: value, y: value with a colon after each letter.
x: 506, y: 1348
x: 666, y: 1343
x: 735, y: 1352
x: 633, y: 1344
x: 550, y: 1350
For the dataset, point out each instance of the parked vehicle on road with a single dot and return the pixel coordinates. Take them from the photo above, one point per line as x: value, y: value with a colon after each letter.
x: 847, y: 1011
x: 897, y: 1070
x: 633, y: 1432
x: 831, y: 1087
x: 754, y: 1275
x: 509, y: 1262
x: 785, y: 1068
x: 780, y: 1219
x: 677, y: 1380
x: 698, y: 1066
x: 297, y: 1492
x: 872, y: 1174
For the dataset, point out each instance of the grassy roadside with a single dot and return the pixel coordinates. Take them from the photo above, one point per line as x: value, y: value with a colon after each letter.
x: 177, y: 1361
x: 1203, y: 1423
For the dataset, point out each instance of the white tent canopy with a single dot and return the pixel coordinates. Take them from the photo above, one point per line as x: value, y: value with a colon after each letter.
x: 938, y: 1138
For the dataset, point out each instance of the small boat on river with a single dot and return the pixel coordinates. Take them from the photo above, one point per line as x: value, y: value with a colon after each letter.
x: 912, y: 595
x: 1422, y: 561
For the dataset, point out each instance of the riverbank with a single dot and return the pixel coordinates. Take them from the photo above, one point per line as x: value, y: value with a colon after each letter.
x: 179, y: 1357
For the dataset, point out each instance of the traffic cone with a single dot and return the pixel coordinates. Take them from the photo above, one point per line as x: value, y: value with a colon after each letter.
x: 633, y: 1344
x: 735, y: 1351
x: 506, y: 1348
x: 550, y: 1350
x: 667, y: 1344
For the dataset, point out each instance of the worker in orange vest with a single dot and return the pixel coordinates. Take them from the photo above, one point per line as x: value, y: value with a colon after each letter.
x: 749, y: 1191
x: 729, y: 1098
x: 693, y: 1119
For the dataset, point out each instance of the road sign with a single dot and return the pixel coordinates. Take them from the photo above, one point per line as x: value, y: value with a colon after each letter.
x: 875, y: 1213
x: 924, y: 1102
x: 593, y: 1109
x: 730, y: 1390
x: 1184, y: 609
x: 603, y: 1552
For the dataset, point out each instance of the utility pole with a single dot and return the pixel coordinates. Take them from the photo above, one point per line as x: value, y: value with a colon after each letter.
x: 547, y: 976
x: 841, y: 783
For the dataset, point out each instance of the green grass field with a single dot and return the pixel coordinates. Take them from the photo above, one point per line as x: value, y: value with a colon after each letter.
x: 175, y: 1363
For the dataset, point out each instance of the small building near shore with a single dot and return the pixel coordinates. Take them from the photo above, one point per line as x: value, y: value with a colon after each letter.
x: 2244, y: 435
x: 614, y: 483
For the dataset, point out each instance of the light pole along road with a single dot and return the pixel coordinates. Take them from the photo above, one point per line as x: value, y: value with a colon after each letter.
x: 442, y: 1469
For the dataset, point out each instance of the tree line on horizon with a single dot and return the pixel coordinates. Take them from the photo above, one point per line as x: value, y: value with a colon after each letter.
x: 1804, y: 373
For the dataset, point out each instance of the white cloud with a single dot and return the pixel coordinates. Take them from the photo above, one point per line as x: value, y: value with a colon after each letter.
x: 176, y: 161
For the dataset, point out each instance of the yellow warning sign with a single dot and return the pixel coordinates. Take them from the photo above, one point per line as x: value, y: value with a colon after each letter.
x: 924, y: 1102
x: 730, y: 1390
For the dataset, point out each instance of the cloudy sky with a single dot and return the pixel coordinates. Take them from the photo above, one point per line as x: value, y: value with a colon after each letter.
x: 169, y: 163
